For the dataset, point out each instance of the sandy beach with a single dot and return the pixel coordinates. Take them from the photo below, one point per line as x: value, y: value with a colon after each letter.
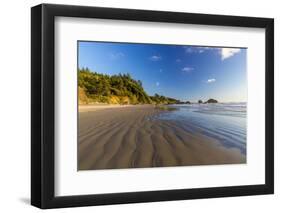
x: 128, y: 137
x: 96, y: 107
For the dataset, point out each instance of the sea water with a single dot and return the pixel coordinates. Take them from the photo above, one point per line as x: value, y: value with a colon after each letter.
x: 225, y: 122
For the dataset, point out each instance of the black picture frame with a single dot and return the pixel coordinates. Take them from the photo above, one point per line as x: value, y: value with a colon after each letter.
x: 43, y: 102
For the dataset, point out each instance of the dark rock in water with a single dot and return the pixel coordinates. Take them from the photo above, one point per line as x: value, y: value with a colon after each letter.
x: 200, y: 102
x: 187, y: 102
x: 212, y: 101
x: 180, y: 102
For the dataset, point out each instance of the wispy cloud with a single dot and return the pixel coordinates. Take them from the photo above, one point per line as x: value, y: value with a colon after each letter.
x: 157, y: 84
x: 178, y: 60
x: 228, y: 52
x: 211, y: 80
x: 187, y: 69
x: 155, y: 58
x: 160, y: 70
x: 116, y: 55
x: 223, y: 52
x: 188, y: 49
x: 194, y: 49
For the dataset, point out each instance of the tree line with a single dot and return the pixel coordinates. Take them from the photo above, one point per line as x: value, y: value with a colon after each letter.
x: 115, y: 89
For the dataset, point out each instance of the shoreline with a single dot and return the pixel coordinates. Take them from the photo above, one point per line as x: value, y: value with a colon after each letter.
x: 96, y: 107
x: 101, y: 106
x: 124, y: 136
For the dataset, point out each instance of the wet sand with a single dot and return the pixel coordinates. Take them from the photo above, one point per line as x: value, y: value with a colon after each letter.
x: 127, y: 137
x: 96, y: 107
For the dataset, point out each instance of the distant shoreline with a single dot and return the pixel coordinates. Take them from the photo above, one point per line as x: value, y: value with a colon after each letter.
x: 101, y: 106
x: 96, y: 107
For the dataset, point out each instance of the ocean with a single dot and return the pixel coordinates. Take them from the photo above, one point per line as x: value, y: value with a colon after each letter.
x: 225, y: 122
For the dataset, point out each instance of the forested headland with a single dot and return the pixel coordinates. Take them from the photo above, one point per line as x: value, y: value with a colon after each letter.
x: 115, y: 89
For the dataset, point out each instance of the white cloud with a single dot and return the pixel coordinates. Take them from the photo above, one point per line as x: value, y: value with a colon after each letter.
x: 228, y: 52
x: 211, y: 80
x: 188, y: 49
x: 187, y: 69
x: 155, y: 58
x: 117, y: 55
x: 197, y: 49
x: 157, y: 84
x: 223, y: 52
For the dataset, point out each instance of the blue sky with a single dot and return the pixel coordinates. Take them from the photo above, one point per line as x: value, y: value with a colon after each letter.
x: 179, y: 71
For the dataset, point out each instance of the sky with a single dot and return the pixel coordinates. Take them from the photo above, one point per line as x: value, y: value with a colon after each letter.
x: 187, y: 73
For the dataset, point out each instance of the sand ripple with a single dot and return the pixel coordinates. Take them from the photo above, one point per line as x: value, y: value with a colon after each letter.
x: 126, y: 137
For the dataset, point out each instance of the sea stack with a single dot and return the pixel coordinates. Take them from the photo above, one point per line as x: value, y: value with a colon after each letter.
x: 212, y: 101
